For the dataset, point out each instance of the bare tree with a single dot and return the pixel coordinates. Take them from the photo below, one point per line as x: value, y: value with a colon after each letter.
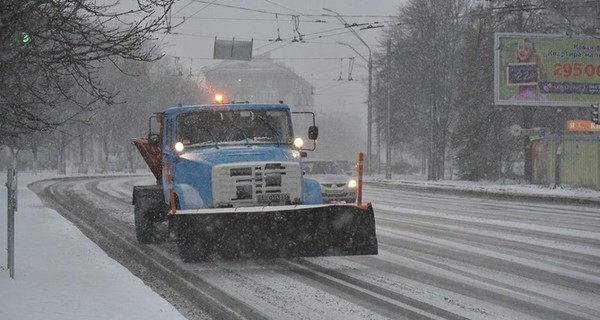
x: 52, y: 50
x: 483, y: 147
x: 426, y: 41
x: 576, y: 16
x: 156, y: 86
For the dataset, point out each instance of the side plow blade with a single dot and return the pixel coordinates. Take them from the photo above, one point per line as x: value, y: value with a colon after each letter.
x: 274, y: 232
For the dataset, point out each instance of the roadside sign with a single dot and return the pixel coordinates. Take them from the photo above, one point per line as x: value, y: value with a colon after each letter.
x: 582, y: 126
x: 554, y: 70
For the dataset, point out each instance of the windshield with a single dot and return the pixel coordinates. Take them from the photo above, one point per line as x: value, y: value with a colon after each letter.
x: 233, y: 127
x: 322, y: 167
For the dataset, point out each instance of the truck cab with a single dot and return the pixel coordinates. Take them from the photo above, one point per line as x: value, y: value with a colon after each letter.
x: 233, y: 155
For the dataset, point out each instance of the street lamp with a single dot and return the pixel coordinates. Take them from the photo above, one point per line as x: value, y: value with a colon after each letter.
x: 369, y: 103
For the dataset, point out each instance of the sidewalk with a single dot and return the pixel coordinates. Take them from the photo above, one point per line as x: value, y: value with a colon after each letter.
x: 60, y: 274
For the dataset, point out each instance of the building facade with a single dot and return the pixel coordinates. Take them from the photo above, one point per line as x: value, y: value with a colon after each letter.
x: 259, y: 80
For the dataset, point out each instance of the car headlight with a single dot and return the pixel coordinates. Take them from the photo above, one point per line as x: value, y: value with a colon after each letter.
x: 352, y: 183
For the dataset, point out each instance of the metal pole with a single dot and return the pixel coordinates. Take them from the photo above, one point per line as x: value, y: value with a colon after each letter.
x: 11, y: 224
x: 8, y: 208
x: 388, y: 151
x: 369, y: 115
x: 369, y: 102
x: 11, y: 195
x: 360, y: 179
x: 369, y: 105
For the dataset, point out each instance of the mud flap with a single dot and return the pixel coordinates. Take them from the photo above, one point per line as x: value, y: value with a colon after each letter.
x: 272, y: 232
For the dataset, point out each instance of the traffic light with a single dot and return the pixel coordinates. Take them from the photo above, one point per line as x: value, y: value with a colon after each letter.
x: 25, y: 38
x: 595, y: 113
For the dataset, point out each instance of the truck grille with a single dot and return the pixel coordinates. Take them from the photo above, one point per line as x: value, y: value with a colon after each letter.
x: 256, y: 184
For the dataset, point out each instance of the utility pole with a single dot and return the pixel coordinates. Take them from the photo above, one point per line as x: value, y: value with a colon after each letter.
x: 388, y: 148
x: 369, y: 99
x: 11, y: 193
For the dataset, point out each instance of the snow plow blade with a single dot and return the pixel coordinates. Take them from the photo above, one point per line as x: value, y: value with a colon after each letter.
x: 276, y: 231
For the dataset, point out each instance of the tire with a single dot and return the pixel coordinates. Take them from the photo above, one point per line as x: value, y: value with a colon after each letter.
x: 150, y: 208
x: 144, y: 225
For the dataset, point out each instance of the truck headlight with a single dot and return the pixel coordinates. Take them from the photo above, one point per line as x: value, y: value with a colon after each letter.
x: 298, y: 143
x: 179, y: 146
x: 352, y: 183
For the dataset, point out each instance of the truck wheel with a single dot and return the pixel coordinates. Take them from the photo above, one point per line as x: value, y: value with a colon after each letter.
x: 144, y: 225
x: 150, y: 209
x: 145, y: 217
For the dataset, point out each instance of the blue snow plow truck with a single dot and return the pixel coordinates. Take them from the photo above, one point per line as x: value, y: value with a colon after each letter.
x: 230, y: 184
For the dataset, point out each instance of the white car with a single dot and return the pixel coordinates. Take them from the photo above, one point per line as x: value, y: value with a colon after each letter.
x: 336, y: 184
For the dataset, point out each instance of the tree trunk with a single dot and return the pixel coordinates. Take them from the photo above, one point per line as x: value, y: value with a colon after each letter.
x: 82, y: 164
x: 62, y: 158
x: 106, y: 153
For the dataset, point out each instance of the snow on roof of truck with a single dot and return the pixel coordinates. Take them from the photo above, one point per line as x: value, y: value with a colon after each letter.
x: 226, y: 106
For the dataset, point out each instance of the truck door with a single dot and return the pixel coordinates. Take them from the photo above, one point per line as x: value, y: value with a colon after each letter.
x: 167, y: 148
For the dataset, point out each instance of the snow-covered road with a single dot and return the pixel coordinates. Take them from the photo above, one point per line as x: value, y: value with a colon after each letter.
x: 502, y: 259
x: 441, y: 257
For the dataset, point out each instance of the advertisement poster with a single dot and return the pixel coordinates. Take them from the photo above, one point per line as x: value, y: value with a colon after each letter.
x: 546, y: 70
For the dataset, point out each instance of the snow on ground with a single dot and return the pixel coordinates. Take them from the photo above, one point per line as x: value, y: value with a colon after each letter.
x: 60, y: 274
x: 502, y: 187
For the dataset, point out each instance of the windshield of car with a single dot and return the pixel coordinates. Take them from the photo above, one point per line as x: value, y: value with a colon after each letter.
x: 322, y: 167
x: 233, y: 127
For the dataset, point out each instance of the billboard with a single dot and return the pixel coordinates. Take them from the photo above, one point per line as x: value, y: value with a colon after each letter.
x: 546, y: 70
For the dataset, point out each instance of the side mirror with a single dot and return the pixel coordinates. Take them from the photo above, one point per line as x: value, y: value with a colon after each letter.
x: 154, y: 139
x: 313, y: 132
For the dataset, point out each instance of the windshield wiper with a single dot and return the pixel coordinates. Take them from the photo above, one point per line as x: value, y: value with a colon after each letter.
x: 214, y: 139
x: 270, y: 126
x: 243, y: 133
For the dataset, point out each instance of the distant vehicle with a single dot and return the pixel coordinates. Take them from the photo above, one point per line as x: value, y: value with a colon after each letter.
x: 336, y: 184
